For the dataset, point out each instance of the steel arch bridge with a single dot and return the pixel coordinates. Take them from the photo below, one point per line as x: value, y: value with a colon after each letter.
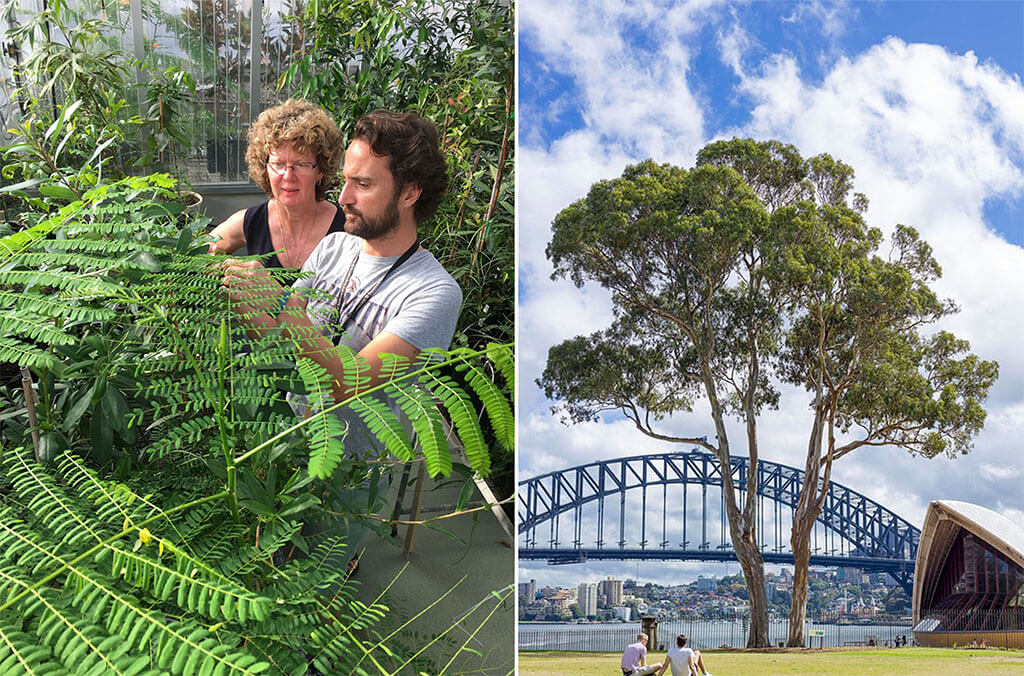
x: 854, y: 530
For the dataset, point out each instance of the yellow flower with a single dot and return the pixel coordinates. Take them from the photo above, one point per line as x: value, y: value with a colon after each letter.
x: 145, y: 536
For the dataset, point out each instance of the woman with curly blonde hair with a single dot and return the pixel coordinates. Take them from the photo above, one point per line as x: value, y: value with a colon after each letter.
x: 294, y: 153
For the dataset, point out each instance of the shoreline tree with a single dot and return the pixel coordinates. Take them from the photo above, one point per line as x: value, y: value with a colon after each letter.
x: 756, y: 268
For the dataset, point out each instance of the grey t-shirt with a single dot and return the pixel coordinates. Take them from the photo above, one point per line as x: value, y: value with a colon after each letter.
x: 419, y: 302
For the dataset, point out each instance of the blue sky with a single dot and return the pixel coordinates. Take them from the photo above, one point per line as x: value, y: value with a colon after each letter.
x: 992, y: 30
x: 923, y: 99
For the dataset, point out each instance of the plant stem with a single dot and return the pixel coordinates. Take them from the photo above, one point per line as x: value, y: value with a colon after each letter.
x: 412, y: 619
x: 423, y: 522
x: 478, y: 628
x: 223, y: 345
x: 30, y: 405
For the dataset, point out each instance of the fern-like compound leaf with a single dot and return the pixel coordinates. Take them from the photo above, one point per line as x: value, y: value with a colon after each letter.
x: 20, y: 655
x: 503, y: 358
x: 192, y: 584
x: 27, y: 326
x: 17, y: 351
x: 419, y: 406
x: 325, y: 431
x: 49, y: 306
x: 496, y: 405
x: 385, y: 425
x: 463, y: 417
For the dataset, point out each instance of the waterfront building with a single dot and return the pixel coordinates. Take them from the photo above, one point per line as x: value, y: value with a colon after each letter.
x: 852, y: 576
x: 561, y: 601
x: 586, y: 599
x: 610, y: 590
x: 969, y: 578
x: 528, y: 590
x: 707, y: 583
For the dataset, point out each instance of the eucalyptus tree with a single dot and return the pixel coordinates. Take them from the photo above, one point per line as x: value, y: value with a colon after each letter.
x: 856, y: 344
x: 752, y: 269
x: 695, y: 317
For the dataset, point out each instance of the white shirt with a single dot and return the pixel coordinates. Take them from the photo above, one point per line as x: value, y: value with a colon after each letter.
x: 680, y: 660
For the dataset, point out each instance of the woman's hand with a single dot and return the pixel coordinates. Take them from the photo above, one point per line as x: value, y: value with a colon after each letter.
x: 250, y: 285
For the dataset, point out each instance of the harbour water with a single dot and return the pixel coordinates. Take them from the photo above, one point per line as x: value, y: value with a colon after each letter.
x: 703, y: 634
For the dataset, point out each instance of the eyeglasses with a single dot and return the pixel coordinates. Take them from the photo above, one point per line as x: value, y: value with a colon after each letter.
x: 280, y: 168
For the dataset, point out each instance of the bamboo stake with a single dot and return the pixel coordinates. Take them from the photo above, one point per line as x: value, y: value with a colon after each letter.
x: 30, y: 404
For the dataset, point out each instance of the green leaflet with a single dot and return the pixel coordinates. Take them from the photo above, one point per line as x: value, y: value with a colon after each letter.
x: 498, y: 408
x: 385, y: 426
x: 463, y: 416
x: 419, y: 406
x: 326, y: 431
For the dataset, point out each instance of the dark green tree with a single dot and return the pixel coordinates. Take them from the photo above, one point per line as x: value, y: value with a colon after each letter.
x: 751, y: 269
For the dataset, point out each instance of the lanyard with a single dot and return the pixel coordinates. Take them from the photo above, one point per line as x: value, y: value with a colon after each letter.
x: 366, y: 296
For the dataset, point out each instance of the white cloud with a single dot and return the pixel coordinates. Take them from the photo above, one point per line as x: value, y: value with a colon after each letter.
x: 734, y: 43
x: 625, y: 89
x: 831, y: 16
x: 931, y: 136
x: 998, y: 472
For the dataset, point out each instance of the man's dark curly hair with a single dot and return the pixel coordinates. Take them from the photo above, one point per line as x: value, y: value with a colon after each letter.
x: 410, y: 143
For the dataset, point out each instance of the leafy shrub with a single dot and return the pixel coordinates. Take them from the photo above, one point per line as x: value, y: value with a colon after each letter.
x: 173, y: 470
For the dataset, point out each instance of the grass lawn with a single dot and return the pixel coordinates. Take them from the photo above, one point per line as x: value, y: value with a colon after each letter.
x: 846, y: 662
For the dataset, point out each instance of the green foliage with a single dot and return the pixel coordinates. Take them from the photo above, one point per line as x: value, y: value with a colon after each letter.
x: 104, y: 581
x: 451, y: 62
x: 81, y: 121
x: 180, y: 470
x: 749, y: 265
x: 668, y: 243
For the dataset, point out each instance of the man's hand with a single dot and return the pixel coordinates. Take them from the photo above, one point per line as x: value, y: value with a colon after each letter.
x: 250, y: 285
x: 258, y: 298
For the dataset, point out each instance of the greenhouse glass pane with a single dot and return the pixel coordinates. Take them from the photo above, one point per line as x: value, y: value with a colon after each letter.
x: 282, y: 44
x: 211, y: 39
x: 208, y: 42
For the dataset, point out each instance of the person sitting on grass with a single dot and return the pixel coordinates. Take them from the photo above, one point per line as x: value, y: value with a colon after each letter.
x: 634, y: 658
x: 684, y: 661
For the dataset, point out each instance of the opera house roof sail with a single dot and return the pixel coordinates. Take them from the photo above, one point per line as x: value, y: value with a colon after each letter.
x: 969, y: 577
